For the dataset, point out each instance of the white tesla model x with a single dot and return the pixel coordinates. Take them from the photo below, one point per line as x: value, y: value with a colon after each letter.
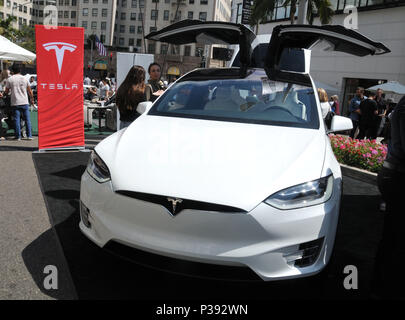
x: 230, y: 166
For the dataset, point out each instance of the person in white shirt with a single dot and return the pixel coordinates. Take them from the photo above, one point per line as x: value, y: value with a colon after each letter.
x: 324, y: 100
x: 87, y: 81
x: 104, y: 90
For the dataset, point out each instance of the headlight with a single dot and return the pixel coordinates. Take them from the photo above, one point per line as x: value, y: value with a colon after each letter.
x: 303, y: 195
x: 97, y: 168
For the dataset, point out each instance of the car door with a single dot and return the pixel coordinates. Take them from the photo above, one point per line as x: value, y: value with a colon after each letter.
x: 207, y: 32
x: 286, y: 40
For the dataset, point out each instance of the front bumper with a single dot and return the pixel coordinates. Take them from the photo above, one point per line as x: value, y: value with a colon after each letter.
x: 265, y: 239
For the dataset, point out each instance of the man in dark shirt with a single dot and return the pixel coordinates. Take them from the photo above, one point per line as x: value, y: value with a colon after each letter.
x: 368, y: 119
x: 388, y: 279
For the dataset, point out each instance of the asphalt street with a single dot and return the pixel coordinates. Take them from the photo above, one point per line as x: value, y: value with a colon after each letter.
x: 30, y: 240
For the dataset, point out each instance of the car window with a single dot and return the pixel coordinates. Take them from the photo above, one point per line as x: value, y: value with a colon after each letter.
x: 251, y: 100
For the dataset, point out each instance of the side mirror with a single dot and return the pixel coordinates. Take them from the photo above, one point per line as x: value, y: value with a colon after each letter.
x: 144, y: 107
x: 340, y: 123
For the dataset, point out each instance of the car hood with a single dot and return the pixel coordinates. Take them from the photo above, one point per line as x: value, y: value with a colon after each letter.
x: 227, y: 163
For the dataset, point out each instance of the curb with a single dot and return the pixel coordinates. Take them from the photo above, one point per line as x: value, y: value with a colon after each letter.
x: 359, y: 174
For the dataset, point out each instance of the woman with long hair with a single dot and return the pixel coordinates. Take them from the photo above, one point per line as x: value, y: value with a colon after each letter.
x: 129, y: 94
x: 323, y: 99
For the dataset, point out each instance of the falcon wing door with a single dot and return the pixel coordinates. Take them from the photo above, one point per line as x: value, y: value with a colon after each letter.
x: 288, y: 40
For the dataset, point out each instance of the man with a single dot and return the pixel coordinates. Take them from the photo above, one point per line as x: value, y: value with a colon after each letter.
x: 354, y: 109
x: 19, y: 86
x: 388, y: 280
x: 382, y: 107
x: 368, y: 120
x: 87, y: 81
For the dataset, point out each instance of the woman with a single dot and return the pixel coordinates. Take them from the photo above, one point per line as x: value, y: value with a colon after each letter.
x: 323, y: 99
x: 129, y: 94
x: 155, y: 86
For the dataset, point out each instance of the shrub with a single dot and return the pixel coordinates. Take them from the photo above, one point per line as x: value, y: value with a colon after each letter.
x: 364, y: 154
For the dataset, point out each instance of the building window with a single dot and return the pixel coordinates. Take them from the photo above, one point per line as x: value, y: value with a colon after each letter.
x: 155, y: 1
x: 121, y: 41
x: 139, y: 29
x: 84, y: 24
x: 104, y: 12
x: 41, y: 13
x: 203, y: 16
x: 187, y: 51
x: 73, y: 3
x: 122, y: 29
x: 152, y: 29
x: 140, y: 16
x: 203, y: 1
x: 25, y: 9
x: 103, y: 25
x: 85, y: 1
x: 133, y: 16
x: 20, y: 7
x: 154, y: 14
x: 60, y: 14
x: 134, y: 3
x: 105, y: 1
x: 67, y: 3
x: 163, y: 48
x: 190, y: 15
x: 114, y: 40
x: 151, y: 48
x: 124, y: 3
x: 94, y: 25
x: 167, y: 1
x: 85, y: 12
x: 131, y: 42
x: 94, y: 12
x: 8, y: 3
x: 166, y: 15
x: 66, y: 14
x: 73, y: 14
x: 95, y: 1
x: 139, y: 42
x: 191, y: 1
x: 141, y: 3
x: 123, y: 15
x: 131, y: 29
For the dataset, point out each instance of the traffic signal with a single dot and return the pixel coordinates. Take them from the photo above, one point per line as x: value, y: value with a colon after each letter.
x: 111, y: 56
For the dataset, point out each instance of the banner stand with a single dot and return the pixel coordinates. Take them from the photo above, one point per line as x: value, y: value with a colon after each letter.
x: 62, y: 149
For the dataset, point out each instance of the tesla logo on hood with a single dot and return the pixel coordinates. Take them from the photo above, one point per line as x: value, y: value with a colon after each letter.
x: 60, y: 48
x: 174, y: 203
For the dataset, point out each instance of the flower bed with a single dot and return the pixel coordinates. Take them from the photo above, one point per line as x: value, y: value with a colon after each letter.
x: 363, y: 154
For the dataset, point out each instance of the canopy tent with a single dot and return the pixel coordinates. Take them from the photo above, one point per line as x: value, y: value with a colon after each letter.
x: 392, y: 89
x: 13, y: 52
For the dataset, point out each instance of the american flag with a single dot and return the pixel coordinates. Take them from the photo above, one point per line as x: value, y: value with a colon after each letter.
x: 100, y: 48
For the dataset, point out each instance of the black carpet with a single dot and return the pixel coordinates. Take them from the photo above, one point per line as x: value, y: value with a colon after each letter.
x: 97, y: 274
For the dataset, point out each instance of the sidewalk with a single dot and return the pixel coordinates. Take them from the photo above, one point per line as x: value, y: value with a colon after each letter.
x: 23, y: 220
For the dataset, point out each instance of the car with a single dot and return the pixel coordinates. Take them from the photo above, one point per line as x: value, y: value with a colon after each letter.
x: 230, y: 166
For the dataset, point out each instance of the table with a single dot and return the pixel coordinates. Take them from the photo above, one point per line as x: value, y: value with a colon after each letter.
x: 99, y: 108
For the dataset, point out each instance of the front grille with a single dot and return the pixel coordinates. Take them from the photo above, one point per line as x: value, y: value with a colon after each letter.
x: 182, y: 267
x: 175, y: 207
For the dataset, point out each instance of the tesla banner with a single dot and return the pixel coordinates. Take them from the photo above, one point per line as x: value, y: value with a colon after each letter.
x: 60, y: 87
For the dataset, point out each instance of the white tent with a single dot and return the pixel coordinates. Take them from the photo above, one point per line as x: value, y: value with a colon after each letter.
x: 11, y: 51
x: 392, y: 89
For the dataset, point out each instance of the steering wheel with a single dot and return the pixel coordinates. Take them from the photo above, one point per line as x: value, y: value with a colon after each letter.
x: 281, y: 109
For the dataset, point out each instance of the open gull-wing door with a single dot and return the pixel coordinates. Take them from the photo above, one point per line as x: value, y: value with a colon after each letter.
x: 208, y: 32
x: 287, y: 40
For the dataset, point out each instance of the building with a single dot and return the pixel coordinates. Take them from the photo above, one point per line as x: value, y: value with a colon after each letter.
x: 381, y: 20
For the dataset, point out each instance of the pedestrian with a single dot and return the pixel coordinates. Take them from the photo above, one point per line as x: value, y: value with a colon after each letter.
x: 19, y: 88
x: 87, y: 81
x: 104, y: 89
x: 388, y: 278
x: 129, y: 94
x: 354, y: 111
x: 155, y: 86
x: 323, y: 99
x: 369, y: 118
x: 334, y: 104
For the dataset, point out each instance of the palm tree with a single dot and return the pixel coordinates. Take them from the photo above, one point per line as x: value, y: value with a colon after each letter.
x: 263, y: 8
x: 7, y: 30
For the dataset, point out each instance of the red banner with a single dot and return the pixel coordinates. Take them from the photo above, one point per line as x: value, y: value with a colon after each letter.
x: 60, y: 87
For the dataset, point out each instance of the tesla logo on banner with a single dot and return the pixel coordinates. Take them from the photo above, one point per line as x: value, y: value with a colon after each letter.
x: 60, y: 48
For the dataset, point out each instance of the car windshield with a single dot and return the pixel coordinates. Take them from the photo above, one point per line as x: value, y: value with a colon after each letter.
x: 253, y: 99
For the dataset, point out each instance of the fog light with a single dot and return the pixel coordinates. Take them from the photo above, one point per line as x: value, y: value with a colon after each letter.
x: 306, y: 255
x: 84, y: 214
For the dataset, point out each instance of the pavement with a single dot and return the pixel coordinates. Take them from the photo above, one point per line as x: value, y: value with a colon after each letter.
x: 23, y: 219
x: 24, y: 222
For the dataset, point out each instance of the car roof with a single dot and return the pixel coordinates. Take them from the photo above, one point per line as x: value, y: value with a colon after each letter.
x: 252, y: 73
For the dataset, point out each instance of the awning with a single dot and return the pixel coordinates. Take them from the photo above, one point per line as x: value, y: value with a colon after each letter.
x: 174, y: 71
x: 100, y: 65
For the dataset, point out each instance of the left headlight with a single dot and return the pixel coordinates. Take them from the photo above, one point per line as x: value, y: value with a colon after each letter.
x: 303, y: 195
x: 97, y: 168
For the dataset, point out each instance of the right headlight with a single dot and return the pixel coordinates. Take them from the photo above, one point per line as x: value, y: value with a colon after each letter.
x: 303, y: 195
x: 97, y: 168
